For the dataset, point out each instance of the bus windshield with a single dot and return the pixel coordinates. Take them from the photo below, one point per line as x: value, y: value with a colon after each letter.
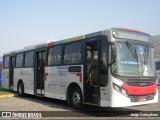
x: 133, y: 59
x: 128, y: 34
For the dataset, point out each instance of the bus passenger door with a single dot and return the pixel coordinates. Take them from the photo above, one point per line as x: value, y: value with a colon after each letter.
x: 11, y: 71
x: 39, y: 73
x: 91, y: 73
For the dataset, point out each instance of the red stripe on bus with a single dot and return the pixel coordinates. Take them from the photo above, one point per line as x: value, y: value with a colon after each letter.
x: 135, y: 90
x: 130, y: 29
x: 51, y: 43
x: 45, y: 76
x: 80, y: 76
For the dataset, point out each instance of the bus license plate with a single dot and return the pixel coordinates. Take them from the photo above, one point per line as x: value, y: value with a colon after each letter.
x: 142, y: 99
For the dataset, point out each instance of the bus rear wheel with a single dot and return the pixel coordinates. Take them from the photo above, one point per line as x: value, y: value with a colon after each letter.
x: 20, y: 89
x: 76, y: 98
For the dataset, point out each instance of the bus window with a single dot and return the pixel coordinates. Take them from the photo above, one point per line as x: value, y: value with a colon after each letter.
x: 6, y: 62
x: 50, y: 56
x: 28, y: 59
x: 157, y: 65
x: 72, y: 53
x: 19, y: 60
x: 54, y: 55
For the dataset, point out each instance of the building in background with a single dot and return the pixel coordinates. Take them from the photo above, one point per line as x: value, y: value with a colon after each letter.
x: 1, y: 72
x: 156, y: 43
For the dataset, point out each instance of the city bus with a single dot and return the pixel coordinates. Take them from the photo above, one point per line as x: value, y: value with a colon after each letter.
x: 109, y: 68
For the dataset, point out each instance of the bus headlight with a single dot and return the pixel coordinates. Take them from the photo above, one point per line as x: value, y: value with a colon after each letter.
x: 116, y: 87
x: 120, y: 89
x: 124, y: 91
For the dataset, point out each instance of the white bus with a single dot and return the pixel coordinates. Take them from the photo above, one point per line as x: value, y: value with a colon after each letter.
x: 114, y: 68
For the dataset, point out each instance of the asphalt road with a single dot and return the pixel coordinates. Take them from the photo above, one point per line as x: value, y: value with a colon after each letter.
x: 58, y: 108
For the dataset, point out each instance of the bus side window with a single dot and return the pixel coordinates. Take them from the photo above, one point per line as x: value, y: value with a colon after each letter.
x: 72, y: 53
x: 54, y: 55
x: 157, y: 65
x: 28, y: 60
x: 19, y: 60
x: 6, y: 62
x: 49, y: 56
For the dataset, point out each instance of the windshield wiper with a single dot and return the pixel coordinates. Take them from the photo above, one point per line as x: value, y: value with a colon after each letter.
x: 132, y: 50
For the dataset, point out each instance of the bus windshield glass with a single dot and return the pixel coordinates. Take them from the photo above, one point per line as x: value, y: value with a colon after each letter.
x: 128, y: 34
x: 133, y: 59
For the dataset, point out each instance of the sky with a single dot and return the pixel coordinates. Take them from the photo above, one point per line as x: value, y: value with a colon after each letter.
x: 28, y: 22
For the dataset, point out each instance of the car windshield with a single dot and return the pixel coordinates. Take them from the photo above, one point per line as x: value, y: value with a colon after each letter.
x: 134, y: 59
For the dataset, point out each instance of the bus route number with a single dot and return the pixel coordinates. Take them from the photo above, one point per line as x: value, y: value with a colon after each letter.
x: 62, y: 73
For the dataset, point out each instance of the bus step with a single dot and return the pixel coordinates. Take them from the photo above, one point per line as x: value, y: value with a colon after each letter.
x: 39, y: 91
x: 39, y: 95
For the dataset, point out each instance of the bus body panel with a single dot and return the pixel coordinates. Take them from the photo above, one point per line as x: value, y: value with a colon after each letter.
x: 105, y: 93
x: 5, y: 75
x: 59, y: 78
x: 27, y: 77
x: 119, y: 100
x: 105, y: 99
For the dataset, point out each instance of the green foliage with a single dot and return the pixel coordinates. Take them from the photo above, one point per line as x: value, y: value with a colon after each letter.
x: 4, y: 91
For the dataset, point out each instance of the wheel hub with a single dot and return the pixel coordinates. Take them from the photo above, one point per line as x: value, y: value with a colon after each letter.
x: 76, y: 98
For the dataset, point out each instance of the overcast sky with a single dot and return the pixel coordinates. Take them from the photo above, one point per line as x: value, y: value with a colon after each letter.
x: 28, y: 22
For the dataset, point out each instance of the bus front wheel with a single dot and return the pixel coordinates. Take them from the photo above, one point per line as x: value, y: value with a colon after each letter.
x: 76, y: 98
x: 20, y: 89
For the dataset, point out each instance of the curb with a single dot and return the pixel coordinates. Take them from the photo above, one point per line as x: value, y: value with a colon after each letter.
x: 7, y: 96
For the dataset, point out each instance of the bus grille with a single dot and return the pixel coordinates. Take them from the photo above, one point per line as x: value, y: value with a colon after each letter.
x: 137, y: 98
x: 133, y: 82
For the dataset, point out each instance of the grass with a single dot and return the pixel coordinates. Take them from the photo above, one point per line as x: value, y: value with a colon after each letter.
x: 4, y: 91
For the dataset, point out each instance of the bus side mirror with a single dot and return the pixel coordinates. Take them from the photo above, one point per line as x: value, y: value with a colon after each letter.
x: 113, y: 54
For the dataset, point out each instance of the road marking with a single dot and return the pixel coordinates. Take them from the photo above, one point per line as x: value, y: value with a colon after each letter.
x: 6, y: 96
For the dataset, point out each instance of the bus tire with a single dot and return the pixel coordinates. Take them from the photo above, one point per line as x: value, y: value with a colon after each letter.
x: 20, y: 89
x: 76, y: 98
